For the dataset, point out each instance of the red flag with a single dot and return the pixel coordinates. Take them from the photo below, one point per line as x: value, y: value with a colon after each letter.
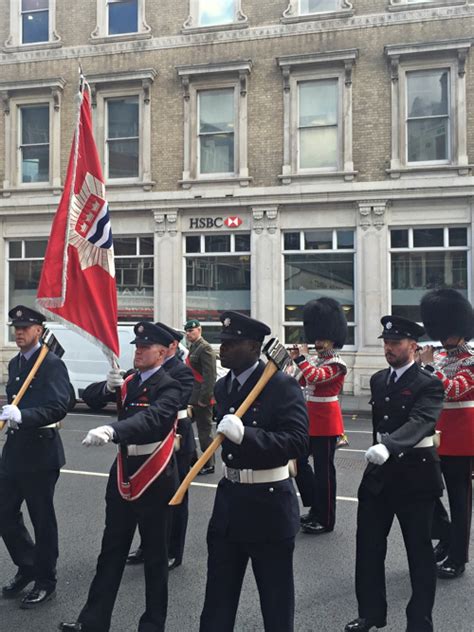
x: 77, y: 285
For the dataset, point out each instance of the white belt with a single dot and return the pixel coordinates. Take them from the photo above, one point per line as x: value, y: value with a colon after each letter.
x: 182, y: 414
x: 311, y: 398
x: 468, y: 404
x: 427, y: 442
x: 140, y: 450
x: 249, y: 477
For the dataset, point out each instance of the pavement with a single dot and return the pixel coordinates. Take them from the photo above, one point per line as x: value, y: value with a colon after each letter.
x: 324, y: 565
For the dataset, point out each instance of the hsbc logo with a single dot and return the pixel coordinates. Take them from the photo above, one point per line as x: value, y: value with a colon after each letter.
x: 233, y: 221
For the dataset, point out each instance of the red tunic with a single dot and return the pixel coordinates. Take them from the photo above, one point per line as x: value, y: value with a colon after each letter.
x: 455, y: 368
x: 322, y: 379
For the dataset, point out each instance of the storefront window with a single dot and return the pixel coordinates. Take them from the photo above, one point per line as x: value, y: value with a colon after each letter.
x: 134, y: 276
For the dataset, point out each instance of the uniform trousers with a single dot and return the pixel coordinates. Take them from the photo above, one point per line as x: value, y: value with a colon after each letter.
x: 457, y: 473
x: 180, y: 513
x: 151, y: 513
x: 374, y: 520
x: 318, y: 487
x: 272, y: 564
x: 202, y: 415
x: 35, y: 559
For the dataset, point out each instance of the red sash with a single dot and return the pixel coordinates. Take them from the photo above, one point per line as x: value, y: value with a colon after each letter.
x: 197, y: 376
x: 150, y: 470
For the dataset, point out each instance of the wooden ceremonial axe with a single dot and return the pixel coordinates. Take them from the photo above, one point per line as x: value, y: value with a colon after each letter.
x: 50, y: 344
x: 278, y: 360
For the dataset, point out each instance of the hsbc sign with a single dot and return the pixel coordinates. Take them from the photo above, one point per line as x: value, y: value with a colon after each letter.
x: 208, y: 223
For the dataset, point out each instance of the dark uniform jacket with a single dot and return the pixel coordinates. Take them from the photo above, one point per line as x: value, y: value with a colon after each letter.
x: 203, y: 359
x: 404, y: 413
x: 276, y: 430
x: 147, y: 416
x: 33, y: 448
x: 183, y: 374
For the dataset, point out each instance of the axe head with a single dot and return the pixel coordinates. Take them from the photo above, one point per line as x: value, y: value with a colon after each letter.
x: 277, y: 353
x: 50, y: 340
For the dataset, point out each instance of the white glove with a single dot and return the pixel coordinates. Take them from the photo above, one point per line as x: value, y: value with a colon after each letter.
x: 12, y: 415
x: 99, y: 436
x: 114, y: 379
x: 232, y: 427
x: 377, y: 454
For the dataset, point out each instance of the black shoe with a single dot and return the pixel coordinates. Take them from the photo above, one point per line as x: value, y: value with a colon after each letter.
x: 136, y: 557
x: 37, y: 596
x: 441, y: 551
x: 450, y: 570
x: 363, y: 625
x: 307, y: 517
x: 72, y: 627
x: 173, y: 563
x: 314, y: 528
x: 16, y: 585
x: 207, y: 469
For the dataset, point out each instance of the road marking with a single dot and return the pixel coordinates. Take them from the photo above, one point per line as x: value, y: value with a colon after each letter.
x: 90, y: 415
x: 358, y: 431
x: 209, y: 485
x: 350, y: 450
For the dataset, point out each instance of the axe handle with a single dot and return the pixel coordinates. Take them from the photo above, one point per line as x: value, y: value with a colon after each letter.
x: 270, y: 370
x: 34, y: 369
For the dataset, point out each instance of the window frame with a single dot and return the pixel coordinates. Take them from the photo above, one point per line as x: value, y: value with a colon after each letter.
x: 100, y: 34
x: 293, y: 12
x: 106, y: 146
x: 191, y: 24
x: 22, y: 13
x: 14, y: 42
x: 138, y: 255
x: 20, y: 145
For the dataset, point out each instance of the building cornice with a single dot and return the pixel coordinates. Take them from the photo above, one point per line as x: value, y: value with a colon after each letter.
x: 188, y: 40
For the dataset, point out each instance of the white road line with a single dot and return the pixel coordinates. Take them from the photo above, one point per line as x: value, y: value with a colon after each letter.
x: 350, y: 450
x: 358, y: 431
x: 209, y: 485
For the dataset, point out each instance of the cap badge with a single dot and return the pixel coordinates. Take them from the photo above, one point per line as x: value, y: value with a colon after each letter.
x: 227, y: 322
x: 388, y: 325
x: 19, y: 312
x: 141, y: 329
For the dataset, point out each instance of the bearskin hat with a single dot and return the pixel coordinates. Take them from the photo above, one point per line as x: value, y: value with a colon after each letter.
x: 324, y: 319
x: 447, y: 313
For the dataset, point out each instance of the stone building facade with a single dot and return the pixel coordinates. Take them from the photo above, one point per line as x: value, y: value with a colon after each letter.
x: 257, y: 153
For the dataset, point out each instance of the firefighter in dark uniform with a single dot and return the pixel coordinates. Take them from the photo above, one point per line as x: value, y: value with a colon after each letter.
x: 402, y: 479
x: 255, y: 512
x: 32, y: 457
x: 185, y: 449
x: 140, y: 484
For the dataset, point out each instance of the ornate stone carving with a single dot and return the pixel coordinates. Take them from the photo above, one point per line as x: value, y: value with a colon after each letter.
x: 364, y: 213
x: 272, y: 219
x: 257, y: 215
x: 5, y: 99
x: 166, y: 222
x: 372, y: 212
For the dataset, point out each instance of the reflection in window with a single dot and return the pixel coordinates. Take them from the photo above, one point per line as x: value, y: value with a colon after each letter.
x: 213, y: 12
x: 317, y: 124
x: 317, y: 6
x: 122, y: 16
x: 216, y: 131
x: 25, y: 265
x: 34, y: 21
x: 134, y: 273
x: 428, y: 115
x: 34, y: 144
x: 123, y: 137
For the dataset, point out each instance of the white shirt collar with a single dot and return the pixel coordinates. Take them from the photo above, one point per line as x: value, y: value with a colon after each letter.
x: 147, y: 374
x: 401, y: 370
x: 244, y: 376
x: 32, y: 351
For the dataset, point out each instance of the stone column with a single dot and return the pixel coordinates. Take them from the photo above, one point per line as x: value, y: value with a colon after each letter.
x: 168, y: 274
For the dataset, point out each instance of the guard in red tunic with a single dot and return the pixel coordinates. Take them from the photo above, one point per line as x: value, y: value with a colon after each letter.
x: 322, y: 379
x: 449, y: 317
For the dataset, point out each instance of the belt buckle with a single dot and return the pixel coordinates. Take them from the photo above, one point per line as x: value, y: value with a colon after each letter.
x: 233, y: 475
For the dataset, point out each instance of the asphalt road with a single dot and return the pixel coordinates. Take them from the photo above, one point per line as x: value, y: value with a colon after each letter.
x: 324, y: 565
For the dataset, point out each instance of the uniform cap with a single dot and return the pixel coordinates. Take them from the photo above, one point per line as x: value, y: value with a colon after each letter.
x: 147, y: 333
x: 176, y: 334
x: 237, y: 326
x: 191, y: 324
x: 324, y: 319
x: 22, y: 316
x: 445, y: 313
x: 398, y: 328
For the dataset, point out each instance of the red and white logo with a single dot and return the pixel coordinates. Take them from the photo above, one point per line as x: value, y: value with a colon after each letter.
x: 232, y: 222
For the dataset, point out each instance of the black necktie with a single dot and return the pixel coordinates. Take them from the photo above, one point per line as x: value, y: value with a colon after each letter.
x: 393, y: 378
x: 234, y: 391
x: 22, y: 362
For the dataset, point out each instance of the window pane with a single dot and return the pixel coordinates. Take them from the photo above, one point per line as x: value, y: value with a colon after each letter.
x: 291, y: 241
x: 134, y: 279
x: 35, y: 125
x: 457, y: 237
x: 146, y: 245
x: 216, y: 12
x: 414, y: 274
x: 427, y: 93
x: 318, y: 148
x: 217, y: 153
x: 35, y: 164
x: 399, y: 238
x: 345, y: 239
x: 123, y: 17
x: 217, y: 243
x: 318, y: 240
x: 35, y: 27
x: 34, y: 5
x: 318, y: 102
x: 428, y: 140
x: 216, y: 111
x: 125, y: 246
x: 216, y: 284
x: 15, y: 250
x: 317, y: 6
x: 123, y: 117
x: 123, y: 158
x: 242, y: 243
x: 428, y: 237
x: 35, y: 248
x: 312, y: 276
x: 24, y: 280
x: 193, y: 244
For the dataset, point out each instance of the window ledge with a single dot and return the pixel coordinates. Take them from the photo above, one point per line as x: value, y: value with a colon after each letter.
x: 215, y: 182
x: 124, y: 37
x: 232, y: 26
x: 311, y: 17
x: 347, y: 176
x: 147, y: 185
x: 32, y: 189
x: 22, y: 48
x: 424, y: 170
x: 412, y: 6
